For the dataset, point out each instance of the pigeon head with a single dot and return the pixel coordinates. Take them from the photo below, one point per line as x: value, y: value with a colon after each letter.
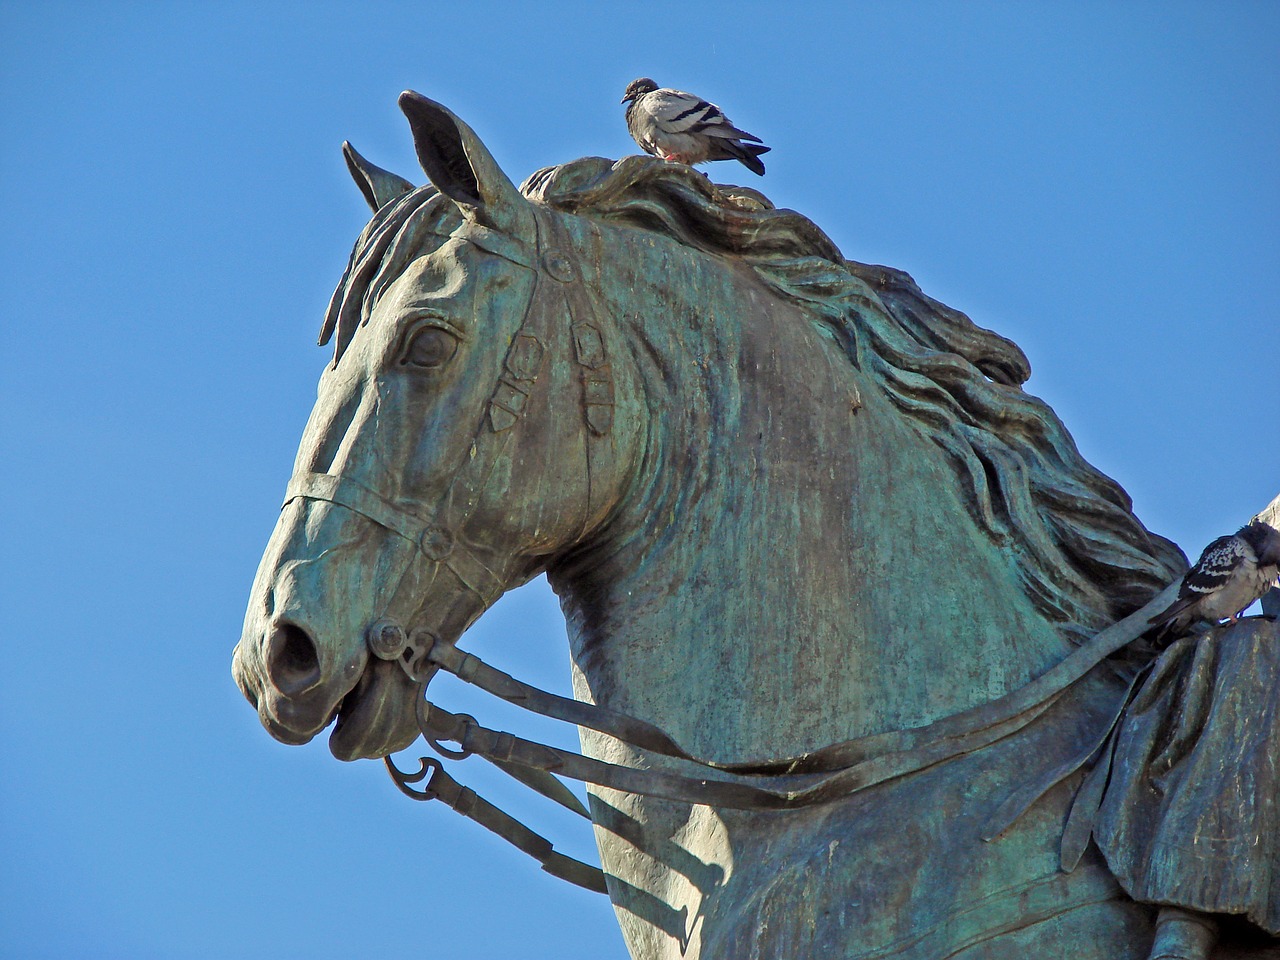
x: 638, y: 88
x: 1264, y: 539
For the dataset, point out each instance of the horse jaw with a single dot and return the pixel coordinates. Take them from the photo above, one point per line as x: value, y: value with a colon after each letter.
x: 377, y: 717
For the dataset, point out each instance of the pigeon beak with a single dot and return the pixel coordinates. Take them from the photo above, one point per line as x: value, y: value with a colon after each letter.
x: 624, y: 99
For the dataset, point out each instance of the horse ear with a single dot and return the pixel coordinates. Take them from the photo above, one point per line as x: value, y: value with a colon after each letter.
x: 462, y: 168
x: 378, y: 186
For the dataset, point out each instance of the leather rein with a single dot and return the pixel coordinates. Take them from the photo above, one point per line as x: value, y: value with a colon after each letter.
x: 822, y: 776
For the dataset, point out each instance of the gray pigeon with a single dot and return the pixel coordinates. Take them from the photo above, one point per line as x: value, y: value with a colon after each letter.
x: 678, y: 126
x: 1232, y: 572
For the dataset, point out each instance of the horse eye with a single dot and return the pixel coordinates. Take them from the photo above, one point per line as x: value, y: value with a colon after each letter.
x: 429, y: 348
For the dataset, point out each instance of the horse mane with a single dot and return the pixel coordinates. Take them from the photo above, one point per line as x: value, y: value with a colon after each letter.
x: 1083, y: 557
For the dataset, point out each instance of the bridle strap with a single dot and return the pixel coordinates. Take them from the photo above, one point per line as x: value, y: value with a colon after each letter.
x: 837, y: 758
x: 473, y: 670
x: 504, y: 747
x: 822, y: 776
x: 793, y: 791
x: 434, y: 541
x: 470, y: 804
x: 357, y: 497
x: 590, y: 354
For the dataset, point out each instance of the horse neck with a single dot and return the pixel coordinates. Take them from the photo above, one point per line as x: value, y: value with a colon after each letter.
x: 793, y: 564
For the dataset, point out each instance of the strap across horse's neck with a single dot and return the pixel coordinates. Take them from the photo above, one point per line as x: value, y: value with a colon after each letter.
x: 857, y: 763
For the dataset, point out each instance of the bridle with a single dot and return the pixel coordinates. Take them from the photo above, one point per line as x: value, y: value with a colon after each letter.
x: 437, y: 537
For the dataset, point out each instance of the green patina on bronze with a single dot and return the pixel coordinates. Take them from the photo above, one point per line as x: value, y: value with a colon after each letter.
x: 786, y: 500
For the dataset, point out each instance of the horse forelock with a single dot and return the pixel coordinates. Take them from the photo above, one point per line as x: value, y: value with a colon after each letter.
x: 1083, y: 558
x: 397, y: 234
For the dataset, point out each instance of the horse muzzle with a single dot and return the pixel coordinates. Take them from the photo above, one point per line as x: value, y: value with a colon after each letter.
x: 303, y: 659
x: 371, y: 699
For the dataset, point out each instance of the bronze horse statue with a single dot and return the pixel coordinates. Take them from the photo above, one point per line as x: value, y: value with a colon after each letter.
x: 786, y: 501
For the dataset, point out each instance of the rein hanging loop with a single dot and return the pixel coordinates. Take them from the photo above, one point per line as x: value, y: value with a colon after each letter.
x: 388, y: 640
x: 471, y: 805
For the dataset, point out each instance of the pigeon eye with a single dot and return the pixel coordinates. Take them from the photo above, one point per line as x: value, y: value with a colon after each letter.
x: 429, y: 348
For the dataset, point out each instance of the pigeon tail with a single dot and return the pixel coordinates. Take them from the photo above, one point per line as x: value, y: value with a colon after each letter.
x: 748, y: 154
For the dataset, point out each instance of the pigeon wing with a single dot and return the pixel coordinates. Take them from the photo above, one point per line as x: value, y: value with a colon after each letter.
x: 674, y: 111
x: 1216, y: 565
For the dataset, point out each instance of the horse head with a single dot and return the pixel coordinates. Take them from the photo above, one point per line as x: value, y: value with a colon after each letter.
x: 464, y: 434
x: 787, y: 500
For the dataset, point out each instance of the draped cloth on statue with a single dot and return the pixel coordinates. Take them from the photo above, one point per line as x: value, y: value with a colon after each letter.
x: 1190, y: 816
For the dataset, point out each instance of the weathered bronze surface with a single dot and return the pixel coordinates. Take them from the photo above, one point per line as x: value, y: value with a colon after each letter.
x: 805, y: 525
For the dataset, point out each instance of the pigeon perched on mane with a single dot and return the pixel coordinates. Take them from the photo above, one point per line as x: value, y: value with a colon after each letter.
x: 684, y: 128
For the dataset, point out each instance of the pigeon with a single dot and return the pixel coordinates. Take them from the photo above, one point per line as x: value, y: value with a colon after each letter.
x: 683, y: 128
x: 1232, y: 572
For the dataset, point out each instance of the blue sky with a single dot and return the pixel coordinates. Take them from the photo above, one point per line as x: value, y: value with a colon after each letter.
x: 1096, y: 181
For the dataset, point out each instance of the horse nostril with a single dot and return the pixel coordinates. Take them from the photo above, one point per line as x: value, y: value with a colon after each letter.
x: 292, y: 661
